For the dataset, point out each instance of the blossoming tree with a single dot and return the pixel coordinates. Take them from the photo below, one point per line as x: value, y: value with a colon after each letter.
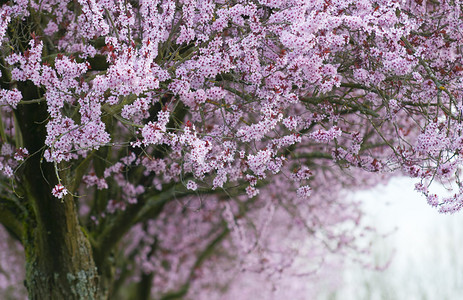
x: 156, y: 148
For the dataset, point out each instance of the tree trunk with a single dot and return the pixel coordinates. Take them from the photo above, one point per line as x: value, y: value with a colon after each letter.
x: 59, y: 259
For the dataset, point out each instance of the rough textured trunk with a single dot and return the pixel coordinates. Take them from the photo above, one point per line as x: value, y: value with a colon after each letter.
x: 59, y: 259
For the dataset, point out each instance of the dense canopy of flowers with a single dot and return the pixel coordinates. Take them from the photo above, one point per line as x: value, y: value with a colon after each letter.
x: 231, y: 126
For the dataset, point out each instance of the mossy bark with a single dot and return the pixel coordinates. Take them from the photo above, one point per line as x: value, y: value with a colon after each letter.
x: 59, y: 260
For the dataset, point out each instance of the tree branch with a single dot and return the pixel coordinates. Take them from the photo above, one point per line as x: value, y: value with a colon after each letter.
x: 201, y: 258
x: 11, y: 217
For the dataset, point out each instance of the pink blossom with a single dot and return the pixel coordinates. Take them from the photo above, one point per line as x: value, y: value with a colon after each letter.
x: 325, y: 136
x: 304, y: 192
x: 191, y: 185
x: 59, y: 191
x: 11, y: 97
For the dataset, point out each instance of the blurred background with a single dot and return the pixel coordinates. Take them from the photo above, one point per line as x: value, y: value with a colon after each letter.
x: 417, y: 251
x: 424, y: 248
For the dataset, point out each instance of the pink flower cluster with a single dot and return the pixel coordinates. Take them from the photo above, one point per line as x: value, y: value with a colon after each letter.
x: 202, y: 115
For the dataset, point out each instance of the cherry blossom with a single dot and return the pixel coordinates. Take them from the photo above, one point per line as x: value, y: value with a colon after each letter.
x: 195, y: 142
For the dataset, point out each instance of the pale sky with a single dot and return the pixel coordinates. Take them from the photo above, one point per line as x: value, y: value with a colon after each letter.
x: 427, y: 248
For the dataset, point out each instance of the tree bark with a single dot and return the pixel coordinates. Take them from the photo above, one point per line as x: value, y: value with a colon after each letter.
x: 59, y: 258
